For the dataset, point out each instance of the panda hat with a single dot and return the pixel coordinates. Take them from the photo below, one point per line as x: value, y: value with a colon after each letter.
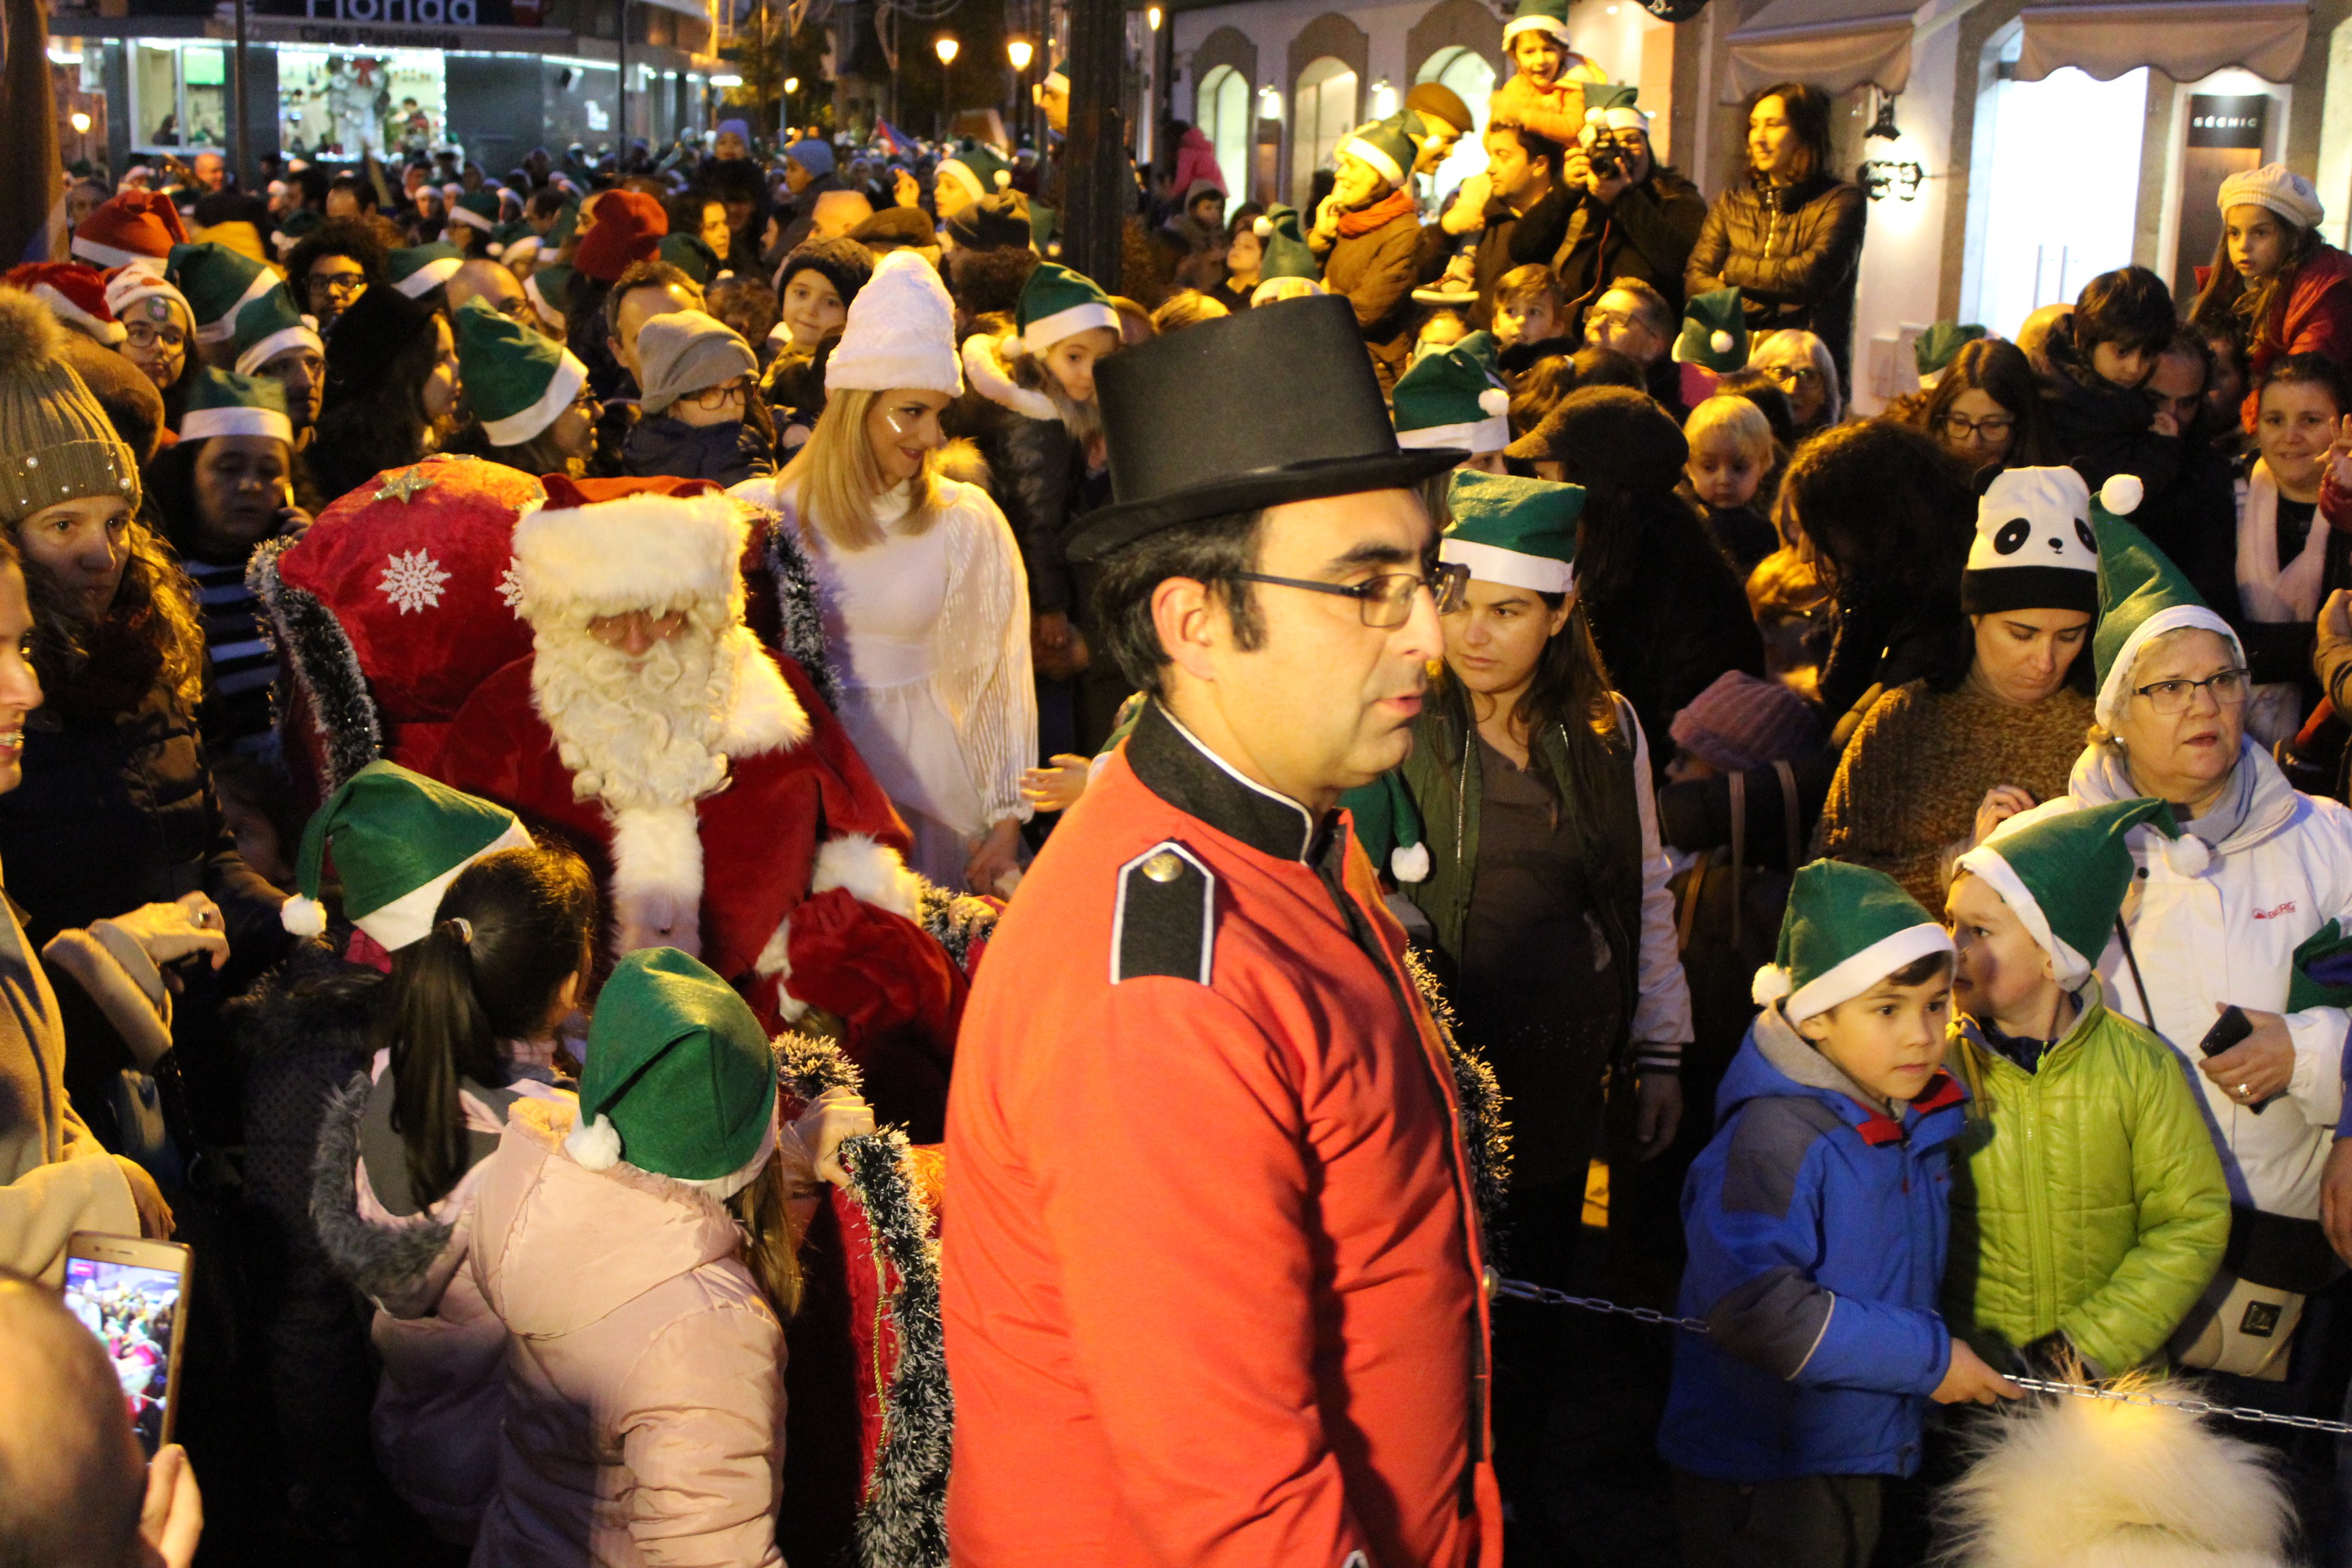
x: 2034, y: 549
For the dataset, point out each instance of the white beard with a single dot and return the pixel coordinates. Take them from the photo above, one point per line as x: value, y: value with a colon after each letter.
x: 643, y: 735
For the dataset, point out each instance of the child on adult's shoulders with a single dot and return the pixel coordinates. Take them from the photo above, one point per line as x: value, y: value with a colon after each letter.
x: 2090, y: 1212
x: 1816, y: 1224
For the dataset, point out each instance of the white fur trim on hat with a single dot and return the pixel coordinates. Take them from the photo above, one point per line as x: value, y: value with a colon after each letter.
x: 1275, y: 289
x: 1518, y: 25
x: 955, y: 169
x: 1046, y: 330
x: 2116, y: 691
x: 564, y: 386
x: 303, y: 335
x: 2277, y: 187
x: 872, y: 871
x: 221, y: 330
x: 471, y: 218
x: 900, y: 333
x: 429, y: 277
x: 640, y: 553
x: 1986, y: 861
x: 1474, y: 436
x: 988, y: 378
x: 1844, y: 982
x: 204, y: 424
x: 408, y: 918
x: 110, y: 334
x: 743, y: 1175
x: 105, y: 256
x: 1356, y: 147
x: 1493, y: 563
x: 539, y: 301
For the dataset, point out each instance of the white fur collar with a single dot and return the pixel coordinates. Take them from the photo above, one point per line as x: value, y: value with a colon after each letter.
x: 987, y: 373
x: 765, y: 715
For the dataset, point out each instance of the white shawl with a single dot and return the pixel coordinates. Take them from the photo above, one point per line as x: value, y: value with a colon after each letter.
x: 2267, y: 590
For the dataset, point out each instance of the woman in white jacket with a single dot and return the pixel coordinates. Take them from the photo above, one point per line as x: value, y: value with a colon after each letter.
x: 2215, y: 916
x: 924, y: 596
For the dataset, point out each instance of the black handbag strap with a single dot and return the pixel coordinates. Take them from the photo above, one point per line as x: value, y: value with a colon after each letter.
x: 2146, y: 1007
x: 1788, y: 815
x: 1739, y: 783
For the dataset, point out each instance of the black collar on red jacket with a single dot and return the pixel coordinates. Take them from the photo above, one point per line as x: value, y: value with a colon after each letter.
x: 1174, y: 766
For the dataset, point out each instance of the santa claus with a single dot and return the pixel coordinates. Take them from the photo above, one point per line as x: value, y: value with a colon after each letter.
x: 726, y: 808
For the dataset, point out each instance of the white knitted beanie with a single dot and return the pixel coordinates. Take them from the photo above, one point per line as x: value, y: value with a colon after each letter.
x: 2277, y: 187
x: 900, y: 333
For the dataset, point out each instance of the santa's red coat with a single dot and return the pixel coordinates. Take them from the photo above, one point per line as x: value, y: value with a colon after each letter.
x: 894, y: 986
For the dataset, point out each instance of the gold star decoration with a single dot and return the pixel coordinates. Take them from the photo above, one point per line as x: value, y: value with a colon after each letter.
x: 403, y: 486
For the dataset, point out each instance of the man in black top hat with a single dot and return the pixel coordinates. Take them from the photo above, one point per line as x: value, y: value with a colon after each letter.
x: 1213, y: 1291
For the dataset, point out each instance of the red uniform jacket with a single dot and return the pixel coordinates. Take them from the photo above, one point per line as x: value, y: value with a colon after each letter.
x: 1211, y: 1274
x: 766, y: 872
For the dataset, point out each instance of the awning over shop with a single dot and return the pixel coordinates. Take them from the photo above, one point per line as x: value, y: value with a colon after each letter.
x: 2185, y: 39
x: 1834, y: 45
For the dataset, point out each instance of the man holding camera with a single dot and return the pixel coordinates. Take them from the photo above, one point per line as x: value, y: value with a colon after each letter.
x: 1626, y: 214
x: 1517, y: 210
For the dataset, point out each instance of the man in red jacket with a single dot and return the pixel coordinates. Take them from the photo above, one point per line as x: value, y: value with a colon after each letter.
x: 1212, y: 1283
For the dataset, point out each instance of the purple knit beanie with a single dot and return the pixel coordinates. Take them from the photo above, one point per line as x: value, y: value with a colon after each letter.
x: 1742, y: 722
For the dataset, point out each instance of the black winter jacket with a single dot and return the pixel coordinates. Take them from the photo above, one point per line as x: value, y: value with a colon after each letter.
x: 728, y: 454
x: 2100, y: 429
x: 1037, y: 470
x: 1648, y: 232
x: 1792, y: 251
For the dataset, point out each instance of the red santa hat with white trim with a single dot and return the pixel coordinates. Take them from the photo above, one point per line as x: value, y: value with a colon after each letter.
x: 128, y: 228
x: 75, y: 294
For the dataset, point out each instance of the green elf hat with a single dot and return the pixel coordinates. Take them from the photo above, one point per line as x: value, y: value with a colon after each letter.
x: 507, y: 233
x: 399, y: 839
x: 1058, y: 304
x: 218, y: 283
x: 1715, y: 334
x: 1451, y: 399
x: 560, y: 232
x: 1384, y: 147
x: 2064, y: 876
x: 224, y: 403
x: 680, y: 1080
x: 270, y: 325
x: 476, y: 209
x: 1519, y: 533
x: 1939, y: 346
x: 1287, y: 254
x: 295, y: 227
x: 1387, y: 816
x: 421, y: 268
x: 689, y: 255
x: 2320, y: 974
x: 519, y: 380
x: 977, y: 169
x: 1847, y: 928
x: 1613, y: 107
x: 2142, y: 595
x: 1538, y: 16
x: 549, y: 290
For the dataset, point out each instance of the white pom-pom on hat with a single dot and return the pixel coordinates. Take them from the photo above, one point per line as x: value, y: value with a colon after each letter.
x: 1409, y: 863
x: 303, y: 917
x: 594, y: 1145
x: 1260, y: 225
x: 1494, y: 402
x: 2122, y: 494
x: 1721, y: 343
x: 2188, y: 856
x: 1772, y: 985
x: 1003, y: 179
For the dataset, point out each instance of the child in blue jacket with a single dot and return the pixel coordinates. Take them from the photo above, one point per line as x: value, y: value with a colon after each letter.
x: 1816, y: 1226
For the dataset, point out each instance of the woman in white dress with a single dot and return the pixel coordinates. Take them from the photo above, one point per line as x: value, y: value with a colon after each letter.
x: 925, y: 604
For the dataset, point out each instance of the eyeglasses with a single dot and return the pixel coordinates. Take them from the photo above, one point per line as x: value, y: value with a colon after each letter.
x: 1994, y: 428
x: 336, y: 283
x: 1791, y: 374
x: 142, y: 335
x: 1606, y: 320
x: 717, y: 398
x: 1385, y: 601
x: 2170, y: 696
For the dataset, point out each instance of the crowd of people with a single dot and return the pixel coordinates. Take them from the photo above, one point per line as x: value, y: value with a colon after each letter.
x: 536, y: 714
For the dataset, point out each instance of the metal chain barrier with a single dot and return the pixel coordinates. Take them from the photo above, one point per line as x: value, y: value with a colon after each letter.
x: 1523, y: 1290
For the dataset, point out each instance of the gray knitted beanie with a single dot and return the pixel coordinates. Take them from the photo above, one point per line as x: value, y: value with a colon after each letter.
x: 684, y: 352
x: 56, y: 442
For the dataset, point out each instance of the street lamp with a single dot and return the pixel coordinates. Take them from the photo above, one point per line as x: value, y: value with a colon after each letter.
x: 1153, y: 16
x: 1020, y: 52
x: 792, y: 85
x: 947, y: 48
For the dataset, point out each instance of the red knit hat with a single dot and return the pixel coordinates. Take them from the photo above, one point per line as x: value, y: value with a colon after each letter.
x: 125, y: 228
x: 627, y: 228
x: 75, y: 293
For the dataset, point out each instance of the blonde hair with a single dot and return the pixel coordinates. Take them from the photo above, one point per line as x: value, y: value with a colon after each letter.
x: 1742, y: 420
x: 840, y: 479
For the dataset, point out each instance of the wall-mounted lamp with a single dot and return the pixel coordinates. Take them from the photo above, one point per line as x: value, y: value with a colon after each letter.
x: 1883, y: 127
x: 1879, y: 176
x: 1155, y: 17
x: 1269, y: 102
x: 1384, y: 99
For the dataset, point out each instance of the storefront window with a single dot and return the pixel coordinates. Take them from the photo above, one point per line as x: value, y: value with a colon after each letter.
x: 179, y: 95
x: 385, y: 102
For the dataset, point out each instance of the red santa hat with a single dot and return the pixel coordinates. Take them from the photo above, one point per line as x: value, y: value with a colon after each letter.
x: 76, y: 294
x: 581, y: 557
x: 132, y: 226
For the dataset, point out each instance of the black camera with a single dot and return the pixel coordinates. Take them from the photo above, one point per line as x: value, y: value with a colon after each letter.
x: 1611, y: 159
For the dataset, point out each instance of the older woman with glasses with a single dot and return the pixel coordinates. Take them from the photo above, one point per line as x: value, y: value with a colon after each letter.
x: 2209, y: 935
x: 1523, y: 830
x: 1800, y: 365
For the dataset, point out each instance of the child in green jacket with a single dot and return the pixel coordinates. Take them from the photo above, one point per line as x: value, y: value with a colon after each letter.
x: 2090, y: 1211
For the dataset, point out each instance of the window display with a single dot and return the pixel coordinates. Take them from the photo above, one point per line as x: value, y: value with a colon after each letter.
x: 385, y: 102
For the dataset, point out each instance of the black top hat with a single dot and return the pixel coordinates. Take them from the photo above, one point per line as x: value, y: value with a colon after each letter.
x: 1276, y: 403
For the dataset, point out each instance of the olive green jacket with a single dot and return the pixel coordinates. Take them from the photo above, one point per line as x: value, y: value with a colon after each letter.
x: 2086, y: 1196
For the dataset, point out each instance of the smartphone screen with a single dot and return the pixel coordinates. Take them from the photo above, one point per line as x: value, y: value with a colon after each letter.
x: 133, y: 1311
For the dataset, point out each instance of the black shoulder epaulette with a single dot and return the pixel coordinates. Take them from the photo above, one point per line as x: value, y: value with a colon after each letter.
x: 1166, y: 918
